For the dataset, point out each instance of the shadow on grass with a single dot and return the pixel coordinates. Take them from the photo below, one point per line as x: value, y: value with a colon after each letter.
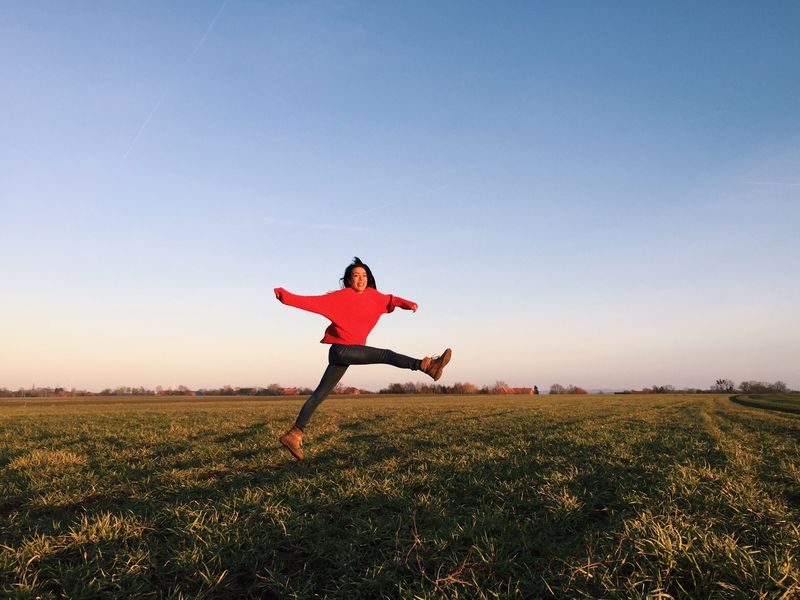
x: 244, y: 434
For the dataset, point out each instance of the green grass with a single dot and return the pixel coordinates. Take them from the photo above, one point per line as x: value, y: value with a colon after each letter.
x: 788, y: 402
x: 454, y: 497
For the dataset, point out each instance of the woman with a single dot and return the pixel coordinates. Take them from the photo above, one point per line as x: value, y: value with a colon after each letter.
x: 353, y: 311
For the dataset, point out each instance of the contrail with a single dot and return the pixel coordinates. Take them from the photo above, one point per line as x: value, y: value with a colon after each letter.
x: 778, y: 183
x: 142, y: 128
x: 186, y: 63
x: 205, y: 35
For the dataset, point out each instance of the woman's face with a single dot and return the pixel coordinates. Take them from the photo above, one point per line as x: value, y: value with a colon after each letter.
x: 358, y: 279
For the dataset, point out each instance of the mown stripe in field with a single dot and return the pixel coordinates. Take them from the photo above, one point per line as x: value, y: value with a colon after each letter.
x: 789, y: 403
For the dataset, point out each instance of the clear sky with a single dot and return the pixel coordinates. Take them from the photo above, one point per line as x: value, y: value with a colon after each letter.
x: 598, y: 193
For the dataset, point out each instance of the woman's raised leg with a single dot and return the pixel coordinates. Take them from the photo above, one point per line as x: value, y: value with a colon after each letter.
x: 343, y: 354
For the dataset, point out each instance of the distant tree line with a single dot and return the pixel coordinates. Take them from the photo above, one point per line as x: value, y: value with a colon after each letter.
x: 557, y: 388
x: 664, y: 389
x: 272, y: 389
x: 749, y: 387
x: 411, y: 387
x: 720, y: 386
x: 47, y: 392
x: 463, y: 388
x: 60, y: 392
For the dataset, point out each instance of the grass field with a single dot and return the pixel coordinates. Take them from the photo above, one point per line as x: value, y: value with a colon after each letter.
x: 454, y: 497
x: 789, y: 402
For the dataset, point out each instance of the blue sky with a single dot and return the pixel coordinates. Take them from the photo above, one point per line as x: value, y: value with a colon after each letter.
x: 603, y: 194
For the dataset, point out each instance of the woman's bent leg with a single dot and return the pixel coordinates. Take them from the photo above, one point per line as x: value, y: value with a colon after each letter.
x: 343, y: 354
x: 329, y: 380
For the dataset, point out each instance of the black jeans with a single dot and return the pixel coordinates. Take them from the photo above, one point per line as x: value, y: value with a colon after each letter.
x: 341, y: 356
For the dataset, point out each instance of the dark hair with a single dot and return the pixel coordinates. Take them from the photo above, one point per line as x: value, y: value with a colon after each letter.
x: 348, y: 272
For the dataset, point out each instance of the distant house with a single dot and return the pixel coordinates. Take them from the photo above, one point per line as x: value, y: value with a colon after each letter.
x: 525, y: 391
x: 347, y: 391
x: 291, y: 391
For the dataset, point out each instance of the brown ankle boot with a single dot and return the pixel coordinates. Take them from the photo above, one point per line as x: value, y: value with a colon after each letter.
x: 293, y: 440
x: 435, y: 366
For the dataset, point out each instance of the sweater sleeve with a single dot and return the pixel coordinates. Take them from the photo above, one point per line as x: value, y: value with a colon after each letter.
x: 398, y: 302
x: 324, y: 305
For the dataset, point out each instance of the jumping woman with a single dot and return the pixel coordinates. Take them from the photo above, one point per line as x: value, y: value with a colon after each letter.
x: 353, y: 311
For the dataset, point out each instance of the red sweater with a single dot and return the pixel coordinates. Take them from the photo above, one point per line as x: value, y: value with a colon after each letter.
x: 352, y: 315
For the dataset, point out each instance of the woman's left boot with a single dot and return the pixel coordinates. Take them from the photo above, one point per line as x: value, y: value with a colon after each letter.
x: 293, y: 440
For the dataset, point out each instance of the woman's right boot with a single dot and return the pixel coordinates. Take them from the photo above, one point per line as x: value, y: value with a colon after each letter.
x: 293, y: 440
x: 435, y: 366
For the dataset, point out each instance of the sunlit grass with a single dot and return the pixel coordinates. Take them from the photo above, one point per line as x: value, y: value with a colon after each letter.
x: 475, y: 497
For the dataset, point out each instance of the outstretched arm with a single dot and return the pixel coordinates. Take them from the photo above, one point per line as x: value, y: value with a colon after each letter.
x: 398, y: 302
x: 322, y: 305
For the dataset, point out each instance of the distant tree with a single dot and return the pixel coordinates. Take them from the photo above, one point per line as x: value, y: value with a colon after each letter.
x: 755, y: 387
x: 393, y: 388
x: 498, y: 387
x: 557, y: 388
x: 659, y: 389
x: 464, y: 388
x: 762, y: 387
x: 724, y: 385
